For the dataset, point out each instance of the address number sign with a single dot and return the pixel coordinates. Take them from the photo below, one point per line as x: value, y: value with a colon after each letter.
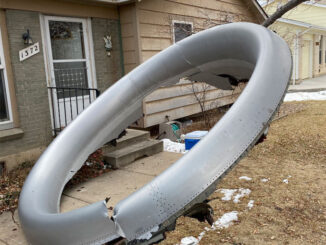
x: 29, y: 51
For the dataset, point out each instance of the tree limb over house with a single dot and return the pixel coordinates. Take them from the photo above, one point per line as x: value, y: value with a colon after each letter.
x: 281, y: 11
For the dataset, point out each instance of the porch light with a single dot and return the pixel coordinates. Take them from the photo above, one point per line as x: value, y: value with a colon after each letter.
x: 27, y: 38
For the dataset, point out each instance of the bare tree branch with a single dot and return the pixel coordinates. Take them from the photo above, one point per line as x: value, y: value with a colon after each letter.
x: 282, y: 10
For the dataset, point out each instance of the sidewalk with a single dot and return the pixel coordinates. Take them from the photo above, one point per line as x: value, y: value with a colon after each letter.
x: 116, y: 184
x: 309, y: 85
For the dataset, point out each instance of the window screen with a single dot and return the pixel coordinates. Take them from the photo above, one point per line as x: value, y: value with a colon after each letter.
x: 181, y: 31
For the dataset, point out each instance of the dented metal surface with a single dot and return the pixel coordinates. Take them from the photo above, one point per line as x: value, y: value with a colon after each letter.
x: 242, y: 50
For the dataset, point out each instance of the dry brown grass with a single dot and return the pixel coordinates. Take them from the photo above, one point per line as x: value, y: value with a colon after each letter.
x: 293, y: 213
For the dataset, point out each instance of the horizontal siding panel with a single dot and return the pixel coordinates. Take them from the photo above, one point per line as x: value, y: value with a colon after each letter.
x: 154, y: 119
x: 233, y: 7
x: 155, y: 18
x: 150, y: 30
x: 164, y: 19
x: 189, y: 10
x: 182, y: 89
x: 185, y: 100
x: 148, y: 54
x: 155, y: 44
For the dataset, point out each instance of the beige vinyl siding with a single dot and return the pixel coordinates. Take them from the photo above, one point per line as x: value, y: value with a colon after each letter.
x: 129, y: 35
x: 155, y: 19
x: 155, y: 31
x: 179, y: 100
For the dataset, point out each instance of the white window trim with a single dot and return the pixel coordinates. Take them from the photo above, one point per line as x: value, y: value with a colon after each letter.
x: 180, y: 22
x: 9, y: 123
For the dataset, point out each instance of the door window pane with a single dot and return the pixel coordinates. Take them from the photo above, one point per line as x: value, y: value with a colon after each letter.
x: 67, y: 40
x: 3, y: 99
x: 70, y: 75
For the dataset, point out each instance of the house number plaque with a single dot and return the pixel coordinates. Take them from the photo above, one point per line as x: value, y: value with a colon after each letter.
x: 29, y: 51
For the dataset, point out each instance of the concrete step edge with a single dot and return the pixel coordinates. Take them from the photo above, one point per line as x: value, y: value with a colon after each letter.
x: 131, y: 148
x: 132, y: 136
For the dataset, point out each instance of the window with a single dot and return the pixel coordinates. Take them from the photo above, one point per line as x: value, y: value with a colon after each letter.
x: 181, y: 30
x: 5, y: 109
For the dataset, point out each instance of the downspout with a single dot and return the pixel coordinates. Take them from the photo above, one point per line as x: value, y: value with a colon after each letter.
x: 121, y: 47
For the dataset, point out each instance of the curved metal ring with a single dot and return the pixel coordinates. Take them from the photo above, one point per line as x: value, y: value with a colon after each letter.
x: 242, y: 50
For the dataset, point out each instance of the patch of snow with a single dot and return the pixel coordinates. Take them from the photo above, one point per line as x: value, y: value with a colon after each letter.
x: 228, y: 193
x: 242, y: 193
x: 237, y: 194
x: 245, y: 178
x: 250, y: 204
x: 189, y: 241
x: 171, y: 146
x: 264, y: 180
x: 148, y: 235
x: 301, y: 96
x: 201, y: 235
x: 286, y: 181
x: 206, y: 229
x: 226, y: 220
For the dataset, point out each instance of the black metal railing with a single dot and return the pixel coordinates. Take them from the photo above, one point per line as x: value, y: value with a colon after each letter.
x: 68, y: 103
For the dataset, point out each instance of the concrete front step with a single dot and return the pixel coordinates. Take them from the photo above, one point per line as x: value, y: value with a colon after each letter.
x: 132, y: 136
x: 128, y: 154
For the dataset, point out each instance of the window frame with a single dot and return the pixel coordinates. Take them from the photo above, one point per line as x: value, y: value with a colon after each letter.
x: 8, y: 124
x: 180, y: 22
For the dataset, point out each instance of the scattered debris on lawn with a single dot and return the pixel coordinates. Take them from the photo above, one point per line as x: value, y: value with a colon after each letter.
x: 12, y: 182
x: 286, y: 181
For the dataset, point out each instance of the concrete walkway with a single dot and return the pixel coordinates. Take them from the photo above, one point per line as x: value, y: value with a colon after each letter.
x: 310, y: 85
x: 116, y: 184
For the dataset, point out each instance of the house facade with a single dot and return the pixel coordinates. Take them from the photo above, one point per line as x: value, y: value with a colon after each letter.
x: 56, y: 57
x: 304, y: 29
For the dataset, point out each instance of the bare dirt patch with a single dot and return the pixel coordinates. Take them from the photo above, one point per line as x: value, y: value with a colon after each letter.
x: 283, y: 213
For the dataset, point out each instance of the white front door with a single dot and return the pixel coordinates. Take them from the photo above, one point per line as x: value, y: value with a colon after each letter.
x: 69, y: 68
